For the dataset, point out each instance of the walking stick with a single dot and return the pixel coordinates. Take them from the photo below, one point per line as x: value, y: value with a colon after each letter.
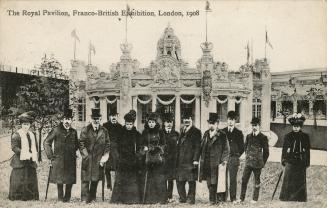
x: 103, y: 180
x: 145, y: 183
x: 48, y: 182
x: 280, y: 176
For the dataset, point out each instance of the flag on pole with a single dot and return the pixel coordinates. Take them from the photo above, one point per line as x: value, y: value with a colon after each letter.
x: 128, y: 11
x: 268, y: 41
x: 74, y: 35
x: 208, y: 6
x: 92, y: 48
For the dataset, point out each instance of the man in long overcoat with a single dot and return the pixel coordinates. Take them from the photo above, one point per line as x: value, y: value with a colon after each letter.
x: 214, y: 155
x: 188, y: 153
x: 236, y: 143
x: 63, y: 155
x: 115, y: 131
x: 171, y: 137
x: 94, y: 148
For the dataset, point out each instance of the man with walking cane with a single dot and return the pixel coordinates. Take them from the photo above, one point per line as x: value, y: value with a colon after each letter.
x: 188, y: 153
x: 94, y: 148
x: 63, y: 156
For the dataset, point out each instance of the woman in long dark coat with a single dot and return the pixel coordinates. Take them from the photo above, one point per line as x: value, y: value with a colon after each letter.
x: 296, y: 159
x: 127, y: 188
x: 154, y: 186
x: 23, y: 178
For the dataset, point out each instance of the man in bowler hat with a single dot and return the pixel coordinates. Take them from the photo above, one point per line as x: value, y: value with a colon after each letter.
x: 188, y: 153
x: 115, y: 130
x: 256, y: 155
x: 236, y: 144
x: 94, y: 148
x: 63, y: 156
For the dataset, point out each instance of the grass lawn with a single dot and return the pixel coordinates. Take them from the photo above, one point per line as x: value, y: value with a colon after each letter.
x: 316, y: 181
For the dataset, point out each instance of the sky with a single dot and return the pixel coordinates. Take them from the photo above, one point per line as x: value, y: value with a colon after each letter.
x: 297, y: 31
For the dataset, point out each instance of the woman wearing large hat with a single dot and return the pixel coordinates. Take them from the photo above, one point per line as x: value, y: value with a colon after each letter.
x: 295, y: 159
x: 23, y: 178
x: 127, y: 188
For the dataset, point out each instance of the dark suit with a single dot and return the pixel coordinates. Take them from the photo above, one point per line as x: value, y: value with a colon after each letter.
x: 115, y: 133
x: 93, y: 145
x: 236, y: 144
x: 188, y: 151
x: 63, y: 158
x: 257, y: 153
x: 214, y: 151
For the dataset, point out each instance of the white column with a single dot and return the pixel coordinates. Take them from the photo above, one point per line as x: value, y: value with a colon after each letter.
x: 243, y: 114
x: 135, y: 108
x: 294, y: 105
x: 103, y: 109
x: 231, y: 103
x: 154, y: 103
x: 197, y: 112
x: 311, y: 108
x: 120, y: 116
x: 265, y: 107
x: 88, y: 109
x: 177, y: 113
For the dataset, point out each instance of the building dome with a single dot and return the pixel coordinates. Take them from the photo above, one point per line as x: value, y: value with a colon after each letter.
x: 169, y: 45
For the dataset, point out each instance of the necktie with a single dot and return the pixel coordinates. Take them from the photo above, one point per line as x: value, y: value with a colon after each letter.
x: 29, y: 142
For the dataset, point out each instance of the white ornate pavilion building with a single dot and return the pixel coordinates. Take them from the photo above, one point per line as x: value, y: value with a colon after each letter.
x: 169, y: 84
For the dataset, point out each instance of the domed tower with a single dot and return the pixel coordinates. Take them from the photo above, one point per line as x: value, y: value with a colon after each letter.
x: 169, y: 45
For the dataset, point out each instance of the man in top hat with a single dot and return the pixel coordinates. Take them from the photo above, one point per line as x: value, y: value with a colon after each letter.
x: 188, y: 153
x: 257, y: 153
x: 214, y: 156
x: 236, y: 143
x: 114, y: 129
x: 94, y: 148
x: 63, y: 155
x: 171, y: 137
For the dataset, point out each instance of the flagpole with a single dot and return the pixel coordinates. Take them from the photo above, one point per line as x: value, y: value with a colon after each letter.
x: 266, y: 42
x: 206, y: 25
x: 74, y: 49
x: 251, y: 50
x: 127, y: 10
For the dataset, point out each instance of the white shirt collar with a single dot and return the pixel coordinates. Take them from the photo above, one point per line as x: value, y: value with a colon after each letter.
x: 212, y: 133
x: 230, y: 129
x: 256, y: 133
x: 98, y: 127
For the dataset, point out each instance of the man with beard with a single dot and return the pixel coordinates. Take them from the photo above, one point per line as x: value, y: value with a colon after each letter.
x: 188, y: 153
x: 171, y: 137
x: 114, y: 129
x: 94, y: 148
x: 63, y: 156
x: 236, y: 144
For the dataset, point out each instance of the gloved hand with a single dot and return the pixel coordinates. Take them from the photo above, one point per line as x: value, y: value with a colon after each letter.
x: 104, y: 159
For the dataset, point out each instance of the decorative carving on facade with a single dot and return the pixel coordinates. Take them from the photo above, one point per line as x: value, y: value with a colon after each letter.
x: 166, y: 70
x: 257, y: 92
x: 206, y: 86
x: 189, y: 83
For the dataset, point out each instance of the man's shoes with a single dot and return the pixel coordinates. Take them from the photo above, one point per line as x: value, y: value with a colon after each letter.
x: 253, y: 202
x: 182, y: 200
x: 190, y: 201
x: 171, y: 200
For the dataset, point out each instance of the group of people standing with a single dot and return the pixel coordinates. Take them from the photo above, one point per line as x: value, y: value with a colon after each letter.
x: 142, y: 167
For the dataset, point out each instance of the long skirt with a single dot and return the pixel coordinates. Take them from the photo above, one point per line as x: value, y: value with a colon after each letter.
x: 154, y: 186
x: 126, y: 188
x: 23, y: 184
x: 294, y: 187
